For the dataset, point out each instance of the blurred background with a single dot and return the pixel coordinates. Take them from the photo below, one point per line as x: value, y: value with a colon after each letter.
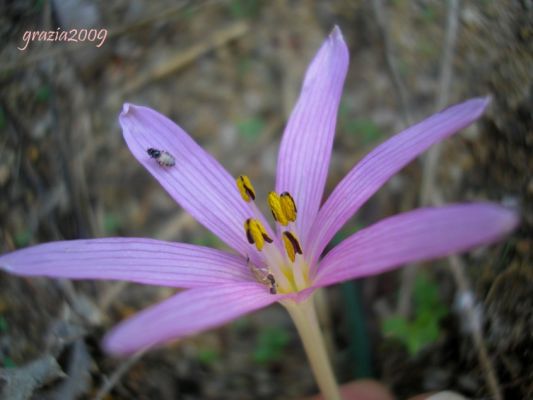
x: 229, y: 73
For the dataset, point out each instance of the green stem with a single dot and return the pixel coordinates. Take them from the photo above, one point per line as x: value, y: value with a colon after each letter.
x: 304, y: 316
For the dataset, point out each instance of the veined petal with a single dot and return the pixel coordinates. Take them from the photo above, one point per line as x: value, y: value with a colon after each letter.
x: 196, y: 180
x: 187, y: 313
x: 306, y: 144
x: 138, y: 260
x: 384, y: 161
x: 418, y: 235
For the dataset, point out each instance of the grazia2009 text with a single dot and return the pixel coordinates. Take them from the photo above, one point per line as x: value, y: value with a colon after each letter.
x: 59, y: 35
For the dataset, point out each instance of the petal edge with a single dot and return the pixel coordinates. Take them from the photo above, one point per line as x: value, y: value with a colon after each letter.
x: 306, y: 145
x: 418, y: 235
x: 367, y: 176
x: 187, y: 313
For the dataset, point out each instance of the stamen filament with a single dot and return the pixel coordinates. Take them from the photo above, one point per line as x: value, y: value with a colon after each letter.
x: 300, y: 274
x: 275, y: 262
x: 286, y: 274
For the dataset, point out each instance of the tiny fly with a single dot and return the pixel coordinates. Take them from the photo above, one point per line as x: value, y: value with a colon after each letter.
x: 263, y: 276
x: 163, y: 158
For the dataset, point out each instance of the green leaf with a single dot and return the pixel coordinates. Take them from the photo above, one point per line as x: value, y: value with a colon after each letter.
x: 270, y: 345
x: 244, y: 8
x: 207, y: 239
x: 241, y: 324
x: 112, y: 223
x: 208, y: 356
x: 365, y: 128
x: 22, y: 238
x: 396, y: 326
x: 39, y: 4
x: 423, y: 329
x: 3, y: 324
x: 251, y: 128
x: 2, y: 118
x: 43, y: 94
x: 8, y: 362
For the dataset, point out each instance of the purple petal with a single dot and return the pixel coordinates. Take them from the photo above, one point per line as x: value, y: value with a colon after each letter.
x: 383, y: 162
x: 196, y: 181
x: 306, y: 145
x: 187, y: 313
x: 418, y: 235
x: 138, y: 260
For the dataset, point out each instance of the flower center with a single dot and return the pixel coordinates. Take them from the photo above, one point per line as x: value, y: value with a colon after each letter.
x: 283, y: 268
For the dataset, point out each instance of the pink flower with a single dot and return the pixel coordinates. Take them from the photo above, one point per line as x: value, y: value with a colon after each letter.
x: 269, y: 265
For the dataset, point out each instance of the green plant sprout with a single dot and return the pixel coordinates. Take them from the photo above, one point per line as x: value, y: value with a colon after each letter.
x: 423, y: 329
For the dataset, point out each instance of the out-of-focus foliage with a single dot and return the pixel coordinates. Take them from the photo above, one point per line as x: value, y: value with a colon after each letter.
x: 423, y: 329
x: 270, y: 345
x: 251, y: 128
x: 208, y: 356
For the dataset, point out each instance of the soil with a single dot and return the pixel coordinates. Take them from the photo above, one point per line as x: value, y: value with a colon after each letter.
x: 66, y: 173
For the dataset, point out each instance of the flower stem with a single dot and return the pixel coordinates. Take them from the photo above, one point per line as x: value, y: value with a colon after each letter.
x: 304, y: 316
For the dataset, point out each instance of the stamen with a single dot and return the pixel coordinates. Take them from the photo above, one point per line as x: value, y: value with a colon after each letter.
x: 292, y: 245
x: 256, y: 233
x: 274, y: 201
x: 289, y: 206
x: 246, y: 188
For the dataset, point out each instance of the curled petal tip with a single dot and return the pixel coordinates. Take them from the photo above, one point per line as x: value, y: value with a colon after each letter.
x: 115, y: 346
x: 483, y: 102
x: 486, y: 99
x: 6, y: 267
x: 336, y: 33
x: 511, y: 220
x: 476, y: 106
x: 111, y: 346
x: 125, y: 109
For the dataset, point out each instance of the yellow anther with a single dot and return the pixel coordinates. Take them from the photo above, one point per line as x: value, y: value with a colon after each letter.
x: 289, y: 206
x: 292, y: 245
x: 274, y: 201
x: 256, y: 233
x: 246, y: 188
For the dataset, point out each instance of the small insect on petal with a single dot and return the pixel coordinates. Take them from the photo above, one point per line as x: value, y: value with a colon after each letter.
x: 163, y: 158
x: 272, y: 284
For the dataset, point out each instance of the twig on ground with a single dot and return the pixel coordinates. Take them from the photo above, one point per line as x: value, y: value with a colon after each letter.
x: 380, y: 14
x: 122, y: 369
x: 430, y: 194
x: 183, y: 58
x: 110, y: 292
x: 381, y: 18
x: 20, y: 383
x: 476, y: 329
x: 78, y: 380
